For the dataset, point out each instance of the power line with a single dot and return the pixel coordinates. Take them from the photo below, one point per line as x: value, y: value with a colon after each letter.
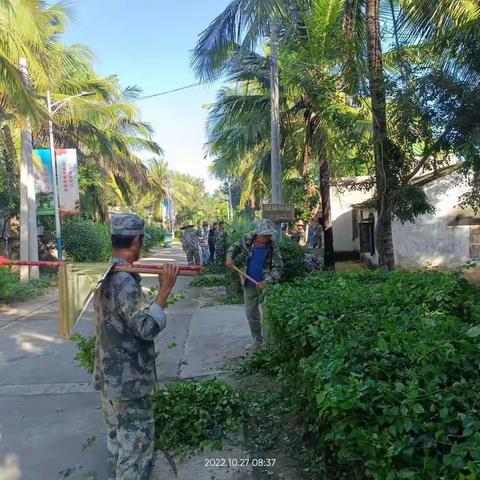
x: 172, y: 91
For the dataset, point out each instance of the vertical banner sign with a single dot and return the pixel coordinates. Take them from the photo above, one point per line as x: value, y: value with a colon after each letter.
x: 68, y: 192
x: 43, y: 174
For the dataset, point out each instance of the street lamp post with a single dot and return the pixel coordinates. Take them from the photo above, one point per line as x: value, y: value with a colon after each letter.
x: 52, y: 109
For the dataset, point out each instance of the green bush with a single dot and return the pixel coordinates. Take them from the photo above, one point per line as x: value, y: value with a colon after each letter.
x: 293, y: 260
x: 85, y: 241
x: 85, y: 355
x: 195, y: 415
x: 209, y: 280
x: 156, y: 237
x: 11, y: 289
x: 384, y: 369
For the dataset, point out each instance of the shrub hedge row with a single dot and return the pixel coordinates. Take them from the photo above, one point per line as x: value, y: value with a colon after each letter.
x: 384, y: 368
x: 88, y: 241
x: 11, y: 289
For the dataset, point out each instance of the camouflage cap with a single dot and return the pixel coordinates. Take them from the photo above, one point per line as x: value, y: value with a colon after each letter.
x: 127, y: 225
x: 265, y: 227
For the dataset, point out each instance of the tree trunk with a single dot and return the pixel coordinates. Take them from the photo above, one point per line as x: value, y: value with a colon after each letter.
x: 383, y: 230
x: 11, y: 163
x: 311, y: 124
x: 329, y: 252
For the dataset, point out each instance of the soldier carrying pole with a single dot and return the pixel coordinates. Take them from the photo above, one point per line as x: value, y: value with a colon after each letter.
x: 124, y: 369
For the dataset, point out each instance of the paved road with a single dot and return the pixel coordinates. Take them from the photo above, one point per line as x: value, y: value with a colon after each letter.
x: 50, y: 421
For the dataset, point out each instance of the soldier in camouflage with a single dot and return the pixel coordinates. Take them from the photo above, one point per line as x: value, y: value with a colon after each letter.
x: 212, y: 237
x: 124, y: 369
x: 190, y: 244
x: 259, y: 255
x: 202, y: 234
x: 221, y: 244
x: 298, y: 235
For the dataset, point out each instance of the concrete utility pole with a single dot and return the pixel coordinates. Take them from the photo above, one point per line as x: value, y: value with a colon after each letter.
x: 275, y: 122
x: 58, y: 224
x: 28, y: 206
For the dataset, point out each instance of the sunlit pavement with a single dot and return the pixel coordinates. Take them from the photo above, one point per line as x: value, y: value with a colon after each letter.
x: 50, y: 422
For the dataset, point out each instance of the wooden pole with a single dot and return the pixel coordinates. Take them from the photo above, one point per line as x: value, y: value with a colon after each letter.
x: 244, y: 275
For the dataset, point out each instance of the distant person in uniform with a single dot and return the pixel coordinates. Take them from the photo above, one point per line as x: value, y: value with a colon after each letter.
x: 190, y: 244
x: 212, y: 237
x: 259, y: 255
x: 124, y: 368
x: 203, y: 242
x: 221, y: 244
x: 298, y: 235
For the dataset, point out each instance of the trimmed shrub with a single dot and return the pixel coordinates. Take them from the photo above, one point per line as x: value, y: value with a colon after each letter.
x: 86, y: 241
x: 384, y: 369
x: 293, y: 260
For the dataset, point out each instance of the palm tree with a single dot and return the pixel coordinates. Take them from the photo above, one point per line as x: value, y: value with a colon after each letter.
x: 237, y: 30
x: 238, y: 137
x: 362, y: 26
x: 26, y: 28
x: 104, y: 127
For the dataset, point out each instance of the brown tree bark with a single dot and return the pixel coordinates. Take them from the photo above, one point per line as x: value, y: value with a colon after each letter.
x: 383, y: 229
x: 311, y: 125
x: 324, y: 177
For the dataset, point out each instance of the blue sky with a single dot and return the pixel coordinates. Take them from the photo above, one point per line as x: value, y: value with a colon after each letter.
x: 148, y: 43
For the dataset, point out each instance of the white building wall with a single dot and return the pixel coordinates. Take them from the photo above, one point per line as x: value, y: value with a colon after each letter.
x: 342, y: 201
x: 431, y: 241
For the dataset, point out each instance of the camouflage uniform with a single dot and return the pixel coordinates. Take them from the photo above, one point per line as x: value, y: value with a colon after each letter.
x: 241, y: 252
x: 299, y: 237
x: 191, y: 246
x: 124, y: 369
x: 203, y: 242
x: 221, y: 247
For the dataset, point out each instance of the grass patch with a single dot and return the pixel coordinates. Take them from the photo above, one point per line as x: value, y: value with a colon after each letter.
x: 11, y: 289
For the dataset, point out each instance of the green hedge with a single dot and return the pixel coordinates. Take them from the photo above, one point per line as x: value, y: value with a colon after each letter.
x: 11, y: 289
x: 156, y: 237
x: 384, y: 368
x: 85, y: 241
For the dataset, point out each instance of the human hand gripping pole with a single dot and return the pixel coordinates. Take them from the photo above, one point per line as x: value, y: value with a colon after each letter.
x: 167, y: 280
x: 229, y: 263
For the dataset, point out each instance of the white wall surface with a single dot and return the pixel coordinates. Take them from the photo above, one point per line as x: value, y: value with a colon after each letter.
x: 430, y: 241
x: 341, y: 203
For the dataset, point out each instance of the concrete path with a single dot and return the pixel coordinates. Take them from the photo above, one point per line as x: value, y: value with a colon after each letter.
x: 217, y: 334
x: 50, y: 421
